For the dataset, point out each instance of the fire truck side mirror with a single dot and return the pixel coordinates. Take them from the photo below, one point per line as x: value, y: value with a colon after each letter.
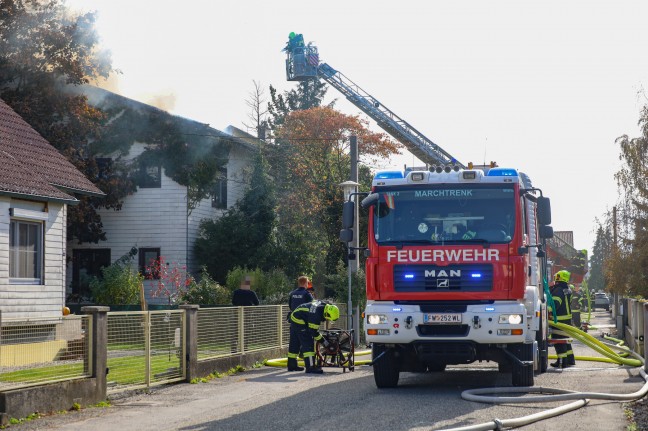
x: 544, y: 211
x: 348, y: 210
x: 346, y: 235
x: 546, y: 232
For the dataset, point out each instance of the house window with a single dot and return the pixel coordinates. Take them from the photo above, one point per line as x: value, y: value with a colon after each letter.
x: 86, y: 264
x: 149, y: 258
x: 150, y: 175
x: 219, y: 192
x: 26, y: 252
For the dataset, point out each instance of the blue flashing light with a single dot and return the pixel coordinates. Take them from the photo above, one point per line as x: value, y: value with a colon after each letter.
x: 397, y: 309
x: 409, y: 276
x: 476, y: 275
x: 490, y: 308
x: 502, y: 172
x: 388, y: 175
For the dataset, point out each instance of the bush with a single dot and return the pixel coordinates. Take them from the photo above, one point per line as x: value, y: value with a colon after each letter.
x: 337, y: 286
x: 206, y: 292
x: 119, y: 285
x: 271, y: 287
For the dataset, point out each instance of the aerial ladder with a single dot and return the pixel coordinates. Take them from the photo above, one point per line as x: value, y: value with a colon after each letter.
x: 302, y: 64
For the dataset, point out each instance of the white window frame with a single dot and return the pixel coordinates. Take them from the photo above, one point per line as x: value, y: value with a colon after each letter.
x: 14, y: 253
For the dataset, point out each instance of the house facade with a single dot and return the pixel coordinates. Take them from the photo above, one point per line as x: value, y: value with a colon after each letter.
x: 157, y: 221
x: 37, y: 184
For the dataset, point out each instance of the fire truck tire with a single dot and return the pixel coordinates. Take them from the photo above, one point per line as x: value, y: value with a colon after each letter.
x: 386, y: 370
x: 436, y: 368
x: 522, y: 375
x: 543, y: 347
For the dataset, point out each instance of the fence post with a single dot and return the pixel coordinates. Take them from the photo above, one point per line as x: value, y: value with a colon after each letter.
x: 190, y: 340
x: 98, y: 348
x: 241, y: 330
x: 280, y: 321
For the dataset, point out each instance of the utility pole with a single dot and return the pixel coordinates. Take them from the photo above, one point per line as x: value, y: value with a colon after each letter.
x: 353, y: 154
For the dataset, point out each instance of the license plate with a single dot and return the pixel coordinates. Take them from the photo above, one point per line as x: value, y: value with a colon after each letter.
x: 451, y: 318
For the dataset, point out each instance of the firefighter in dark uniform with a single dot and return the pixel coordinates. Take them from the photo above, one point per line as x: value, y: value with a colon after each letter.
x: 299, y: 296
x: 562, y: 296
x: 305, y: 321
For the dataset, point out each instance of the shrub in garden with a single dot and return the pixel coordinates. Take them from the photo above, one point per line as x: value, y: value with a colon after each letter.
x: 119, y: 285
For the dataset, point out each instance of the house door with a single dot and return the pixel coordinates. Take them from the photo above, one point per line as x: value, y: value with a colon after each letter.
x: 87, y: 263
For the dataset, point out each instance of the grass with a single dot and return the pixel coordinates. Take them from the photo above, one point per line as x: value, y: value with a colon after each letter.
x: 123, y: 370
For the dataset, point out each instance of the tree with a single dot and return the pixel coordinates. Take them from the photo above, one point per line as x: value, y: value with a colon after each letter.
x: 43, y: 49
x: 600, y: 251
x: 258, y: 113
x: 309, y: 160
x: 308, y: 94
x: 626, y: 266
x: 242, y: 236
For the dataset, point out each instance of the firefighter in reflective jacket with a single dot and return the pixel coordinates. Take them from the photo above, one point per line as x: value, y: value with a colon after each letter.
x: 304, y: 331
x: 562, y: 296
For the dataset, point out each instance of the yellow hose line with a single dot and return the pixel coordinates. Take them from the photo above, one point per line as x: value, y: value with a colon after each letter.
x: 597, y: 345
x: 283, y: 362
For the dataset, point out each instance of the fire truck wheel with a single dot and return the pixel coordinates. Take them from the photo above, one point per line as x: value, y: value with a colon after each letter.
x: 386, y: 369
x: 522, y: 375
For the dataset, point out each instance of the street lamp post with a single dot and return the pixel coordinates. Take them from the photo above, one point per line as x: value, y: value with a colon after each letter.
x: 348, y: 188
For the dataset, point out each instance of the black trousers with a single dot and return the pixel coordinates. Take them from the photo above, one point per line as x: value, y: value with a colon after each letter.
x: 300, y: 339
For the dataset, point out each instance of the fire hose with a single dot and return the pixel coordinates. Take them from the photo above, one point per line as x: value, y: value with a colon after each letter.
x: 487, y: 395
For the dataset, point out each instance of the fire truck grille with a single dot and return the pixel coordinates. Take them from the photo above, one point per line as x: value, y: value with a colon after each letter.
x: 442, y: 330
x: 454, y: 278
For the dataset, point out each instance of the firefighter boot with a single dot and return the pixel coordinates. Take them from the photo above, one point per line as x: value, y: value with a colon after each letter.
x: 310, y: 366
x: 558, y: 363
x: 292, y: 365
x: 570, y: 361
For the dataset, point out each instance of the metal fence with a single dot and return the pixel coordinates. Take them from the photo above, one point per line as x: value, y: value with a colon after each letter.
x: 236, y: 330
x: 37, y: 351
x: 145, y: 348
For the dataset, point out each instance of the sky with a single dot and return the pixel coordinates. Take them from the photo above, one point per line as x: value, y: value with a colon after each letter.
x: 544, y: 87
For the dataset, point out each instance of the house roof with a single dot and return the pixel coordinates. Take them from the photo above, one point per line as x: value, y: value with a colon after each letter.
x: 104, y: 99
x: 32, y: 167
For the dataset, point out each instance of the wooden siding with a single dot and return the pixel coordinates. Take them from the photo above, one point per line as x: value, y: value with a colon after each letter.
x: 41, y: 300
x: 157, y: 218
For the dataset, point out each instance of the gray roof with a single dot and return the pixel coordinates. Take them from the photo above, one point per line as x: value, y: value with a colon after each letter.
x: 32, y: 168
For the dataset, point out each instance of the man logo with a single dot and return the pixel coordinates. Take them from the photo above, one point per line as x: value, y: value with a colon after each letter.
x: 443, y: 282
x: 443, y: 273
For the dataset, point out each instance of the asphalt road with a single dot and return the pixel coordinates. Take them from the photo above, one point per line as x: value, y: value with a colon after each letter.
x: 273, y: 399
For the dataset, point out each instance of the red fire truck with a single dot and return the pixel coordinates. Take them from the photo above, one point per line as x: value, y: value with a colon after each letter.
x: 455, y: 266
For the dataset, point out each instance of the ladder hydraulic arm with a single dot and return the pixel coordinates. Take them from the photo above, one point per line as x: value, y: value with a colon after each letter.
x: 303, y: 63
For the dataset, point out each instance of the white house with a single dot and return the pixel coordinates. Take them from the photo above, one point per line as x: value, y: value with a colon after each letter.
x: 37, y: 184
x: 156, y: 220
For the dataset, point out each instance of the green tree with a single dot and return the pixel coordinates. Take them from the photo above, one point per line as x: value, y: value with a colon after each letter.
x: 242, y: 236
x: 600, y: 251
x: 308, y: 94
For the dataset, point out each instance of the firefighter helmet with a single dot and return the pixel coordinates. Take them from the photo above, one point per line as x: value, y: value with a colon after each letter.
x: 562, y: 276
x: 331, y: 312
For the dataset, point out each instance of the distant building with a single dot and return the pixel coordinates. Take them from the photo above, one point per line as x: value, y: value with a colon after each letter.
x: 562, y: 255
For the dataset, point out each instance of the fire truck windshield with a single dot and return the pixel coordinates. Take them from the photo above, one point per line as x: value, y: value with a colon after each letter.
x: 445, y: 213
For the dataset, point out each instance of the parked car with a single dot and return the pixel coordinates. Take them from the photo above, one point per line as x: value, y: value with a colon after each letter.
x: 601, y: 300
